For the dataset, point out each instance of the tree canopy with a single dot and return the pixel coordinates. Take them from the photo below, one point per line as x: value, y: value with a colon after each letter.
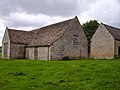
x: 90, y: 27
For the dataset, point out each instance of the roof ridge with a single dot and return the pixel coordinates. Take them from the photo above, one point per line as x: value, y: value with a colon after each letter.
x: 16, y: 30
x: 53, y: 24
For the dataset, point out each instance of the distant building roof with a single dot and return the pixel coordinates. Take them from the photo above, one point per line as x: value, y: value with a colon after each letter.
x: 115, y: 32
x: 39, y: 37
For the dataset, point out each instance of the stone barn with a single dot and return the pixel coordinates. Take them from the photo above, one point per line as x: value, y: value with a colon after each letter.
x: 63, y: 40
x: 105, y: 43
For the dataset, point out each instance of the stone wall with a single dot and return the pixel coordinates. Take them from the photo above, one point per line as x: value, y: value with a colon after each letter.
x: 102, y: 44
x: 6, y: 46
x: 17, y: 51
x: 5, y: 51
x: 72, y: 45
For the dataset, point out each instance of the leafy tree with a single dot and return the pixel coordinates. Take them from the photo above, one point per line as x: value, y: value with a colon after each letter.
x: 90, y: 27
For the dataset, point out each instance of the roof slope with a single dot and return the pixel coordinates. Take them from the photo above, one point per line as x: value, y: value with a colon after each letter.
x: 39, y: 37
x: 115, y: 32
x: 47, y: 35
x: 20, y: 37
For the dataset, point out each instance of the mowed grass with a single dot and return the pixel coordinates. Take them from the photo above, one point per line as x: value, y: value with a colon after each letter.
x: 59, y: 75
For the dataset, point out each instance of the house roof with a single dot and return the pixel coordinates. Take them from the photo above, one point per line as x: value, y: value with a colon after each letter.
x: 41, y: 36
x: 115, y: 32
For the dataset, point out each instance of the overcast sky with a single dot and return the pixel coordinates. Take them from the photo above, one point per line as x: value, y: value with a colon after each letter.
x: 29, y: 14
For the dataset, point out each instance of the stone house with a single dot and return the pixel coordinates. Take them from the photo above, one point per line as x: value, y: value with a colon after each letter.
x: 63, y: 40
x: 105, y: 43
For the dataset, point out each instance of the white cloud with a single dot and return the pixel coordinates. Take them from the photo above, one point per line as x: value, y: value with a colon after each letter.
x: 29, y: 20
x: 107, y: 11
x: 2, y: 29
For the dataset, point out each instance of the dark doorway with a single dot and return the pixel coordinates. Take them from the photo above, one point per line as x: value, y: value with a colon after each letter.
x: 21, y: 52
x: 119, y: 50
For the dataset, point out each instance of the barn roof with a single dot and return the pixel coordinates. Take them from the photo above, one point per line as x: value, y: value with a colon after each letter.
x: 20, y: 37
x: 48, y: 34
x: 41, y: 36
x: 115, y: 32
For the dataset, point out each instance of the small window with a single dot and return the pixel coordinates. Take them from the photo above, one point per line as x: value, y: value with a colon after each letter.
x: 75, y: 41
x: 119, y: 50
x: 76, y: 35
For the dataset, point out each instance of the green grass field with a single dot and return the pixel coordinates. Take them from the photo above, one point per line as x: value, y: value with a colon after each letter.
x: 60, y: 75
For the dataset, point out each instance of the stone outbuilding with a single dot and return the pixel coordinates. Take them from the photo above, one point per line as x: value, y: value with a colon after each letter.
x: 63, y: 40
x: 105, y: 43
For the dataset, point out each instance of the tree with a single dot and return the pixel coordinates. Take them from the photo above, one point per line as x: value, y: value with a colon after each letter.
x: 90, y: 27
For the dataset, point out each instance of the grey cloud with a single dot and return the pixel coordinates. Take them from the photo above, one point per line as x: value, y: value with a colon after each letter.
x: 20, y: 23
x: 52, y: 8
x: 49, y: 7
x: 110, y: 14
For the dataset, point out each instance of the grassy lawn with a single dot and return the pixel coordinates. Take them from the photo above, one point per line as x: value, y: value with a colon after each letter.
x: 60, y: 75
